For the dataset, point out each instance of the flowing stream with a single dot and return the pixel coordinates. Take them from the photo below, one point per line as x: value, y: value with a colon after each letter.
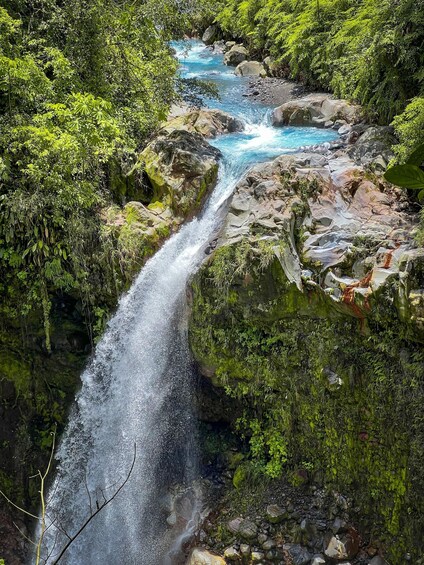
x: 139, y: 386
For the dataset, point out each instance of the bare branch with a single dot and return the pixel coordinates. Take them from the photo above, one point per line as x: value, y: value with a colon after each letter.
x: 99, y: 509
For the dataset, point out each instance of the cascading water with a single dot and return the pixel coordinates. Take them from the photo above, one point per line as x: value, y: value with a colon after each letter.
x: 139, y: 386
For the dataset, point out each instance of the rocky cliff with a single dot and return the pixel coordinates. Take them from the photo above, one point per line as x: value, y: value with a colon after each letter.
x: 310, y: 313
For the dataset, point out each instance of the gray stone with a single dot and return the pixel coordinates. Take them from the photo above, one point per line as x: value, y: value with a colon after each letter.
x: 207, y: 122
x: 248, y: 530
x: 316, y: 109
x: 210, y: 35
x: 234, y: 525
x: 219, y: 46
x: 268, y: 544
x: 257, y: 556
x: 231, y: 554
x: 236, y: 55
x: 181, y: 167
x: 245, y: 549
x: 299, y: 555
x: 318, y: 560
x: 275, y: 513
x: 250, y: 69
x: 378, y: 560
x: 342, y: 547
x: 339, y: 525
x: 203, y: 557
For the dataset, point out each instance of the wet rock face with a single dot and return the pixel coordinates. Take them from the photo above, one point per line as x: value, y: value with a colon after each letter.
x: 355, y: 231
x: 182, y: 167
x: 316, y: 110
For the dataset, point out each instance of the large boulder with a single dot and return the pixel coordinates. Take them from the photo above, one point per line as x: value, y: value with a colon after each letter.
x: 316, y: 110
x: 250, y: 69
x: 210, y: 35
x: 236, y: 55
x: 374, y: 147
x: 208, y: 123
x: 204, y: 557
x: 182, y: 168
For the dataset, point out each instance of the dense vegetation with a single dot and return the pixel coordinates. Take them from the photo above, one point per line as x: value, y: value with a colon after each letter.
x: 369, y: 50
x: 82, y: 85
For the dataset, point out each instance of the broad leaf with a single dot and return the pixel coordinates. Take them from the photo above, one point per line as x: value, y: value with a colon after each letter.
x: 406, y: 176
x: 417, y: 157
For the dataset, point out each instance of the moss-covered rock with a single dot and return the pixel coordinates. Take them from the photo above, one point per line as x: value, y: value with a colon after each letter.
x: 331, y: 381
x: 182, y: 167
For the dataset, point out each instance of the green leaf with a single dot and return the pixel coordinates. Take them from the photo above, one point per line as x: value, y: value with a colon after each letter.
x: 417, y: 156
x: 421, y: 196
x: 406, y: 176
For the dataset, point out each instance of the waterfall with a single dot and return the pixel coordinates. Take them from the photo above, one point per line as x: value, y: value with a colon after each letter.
x: 139, y: 386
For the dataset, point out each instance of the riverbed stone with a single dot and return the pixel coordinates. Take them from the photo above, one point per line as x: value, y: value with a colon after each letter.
x: 342, y: 547
x: 275, y: 514
x: 250, y: 69
x: 231, y: 554
x: 248, y: 530
x: 234, y: 525
x: 236, y: 55
x: 298, y: 554
x: 204, y: 557
x: 182, y: 168
x: 207, y: 122
x: 316, y: 110
x: 210, y: 35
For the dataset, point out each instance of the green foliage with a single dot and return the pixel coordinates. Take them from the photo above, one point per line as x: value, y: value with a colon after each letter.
x: 409, y: 127
x: 82, y: 85
x: 367, y: 50
x: 406, y: 176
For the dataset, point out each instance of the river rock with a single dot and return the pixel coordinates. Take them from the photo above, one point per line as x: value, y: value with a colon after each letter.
x: 275, y: 513
x: 316, y: 110
x: 250, y: 69
x: 248, y: 530
x: 231, y: 554
x: 182, y: 168
x: 204, y: 557
x: 207, y: 122
x: 245, y: 549
x: 299, y: 555
x: 344, y: 546
x: 318, y: 560
x: 210, y: 34
x: 229, y: 45
x: 219, y: 46
x: 374, y: 147
x: 257, y: 556
x: 236, y: 55
x: 234, y: 525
